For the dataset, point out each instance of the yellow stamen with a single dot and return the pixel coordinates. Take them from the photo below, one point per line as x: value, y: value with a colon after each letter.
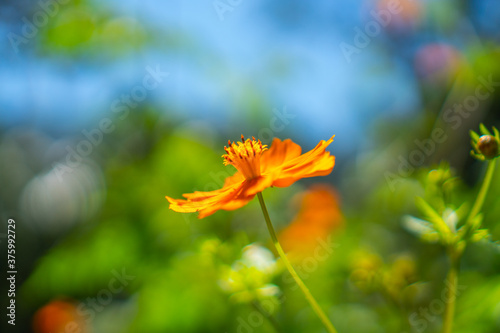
x: 245, y: 156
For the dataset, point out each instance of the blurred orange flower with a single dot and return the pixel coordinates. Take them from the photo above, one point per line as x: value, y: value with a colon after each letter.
x: 319, y: 215
x: 400, y: 13
x: 257, y: 168
x: 57, y: 317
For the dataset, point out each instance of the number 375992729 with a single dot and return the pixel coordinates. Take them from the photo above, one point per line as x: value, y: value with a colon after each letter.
x: 11, y: 239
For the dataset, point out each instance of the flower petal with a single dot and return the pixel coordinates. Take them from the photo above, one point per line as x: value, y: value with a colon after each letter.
x: 316, y: 162
x: 236, y: 178
x: 256, y: 185
x: 231, y: 204
x: 206, y: 203
x: 279, y: 153
x: 200, y: 200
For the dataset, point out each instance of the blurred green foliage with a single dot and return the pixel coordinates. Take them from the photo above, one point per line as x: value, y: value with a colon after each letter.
x: 377, y: 278
x: 190, y: 275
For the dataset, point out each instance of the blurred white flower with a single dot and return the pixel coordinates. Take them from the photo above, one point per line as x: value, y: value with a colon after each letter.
x: 250, y: 277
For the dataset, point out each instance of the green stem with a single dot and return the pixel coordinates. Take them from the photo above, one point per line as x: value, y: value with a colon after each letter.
x: 451, y: 285
x: 455, y: 251
x: 314, y: 304
x: 482, y: 194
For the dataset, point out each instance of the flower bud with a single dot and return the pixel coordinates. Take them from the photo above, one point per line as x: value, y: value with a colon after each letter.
x: 488, y: 146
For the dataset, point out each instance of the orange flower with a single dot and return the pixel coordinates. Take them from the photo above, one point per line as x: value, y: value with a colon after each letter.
x: 58, y: 316
x: 319, y: 215
x: 257, y: 168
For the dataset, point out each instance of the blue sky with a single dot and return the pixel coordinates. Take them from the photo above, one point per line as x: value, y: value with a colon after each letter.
x: 288, y: 54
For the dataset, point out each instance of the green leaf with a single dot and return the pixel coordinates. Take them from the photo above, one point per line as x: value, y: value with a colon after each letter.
x: 462, y: 211
x: 433, y: 216
x: 497, y: 134
x: 480, y: 234
x: 425, y: 208
x: 474, y: 136
x: 477, y: 156
x: 484, y: 130
x: 477, y: 220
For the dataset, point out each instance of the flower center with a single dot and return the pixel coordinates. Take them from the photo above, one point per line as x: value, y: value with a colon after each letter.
x: 245, y: 156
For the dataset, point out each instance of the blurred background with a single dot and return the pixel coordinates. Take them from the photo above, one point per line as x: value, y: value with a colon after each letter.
x: 108, y: 106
